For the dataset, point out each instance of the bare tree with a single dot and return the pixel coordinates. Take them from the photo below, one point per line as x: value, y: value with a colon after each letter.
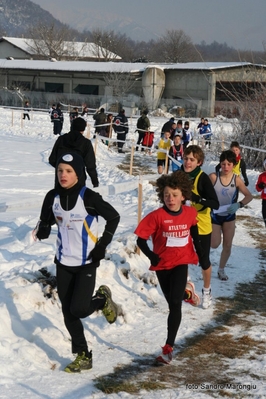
x: 53, y: 42
x: 109, y: 45
x: 120, y: 82
x: 17, y: 92
x: 248, y: 99
x: 174, y: 46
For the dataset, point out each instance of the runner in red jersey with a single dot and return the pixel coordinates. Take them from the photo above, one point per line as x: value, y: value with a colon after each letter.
x: 174, y: 233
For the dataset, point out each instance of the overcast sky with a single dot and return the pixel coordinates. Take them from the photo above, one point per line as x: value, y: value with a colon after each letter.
x: 239, y: 23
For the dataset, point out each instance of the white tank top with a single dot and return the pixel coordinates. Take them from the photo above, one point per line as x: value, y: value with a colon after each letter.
x: 227, y: 195
x: 77, y: 232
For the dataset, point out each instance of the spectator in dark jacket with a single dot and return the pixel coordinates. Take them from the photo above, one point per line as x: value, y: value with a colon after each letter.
x: 201, y: 124
x: 57, y: 118
x: 143, y: 125
x: 120, y: 125
x: 74, y: 141
x: 73, y: 114
x: 100, y: 119
x: 169, y: 126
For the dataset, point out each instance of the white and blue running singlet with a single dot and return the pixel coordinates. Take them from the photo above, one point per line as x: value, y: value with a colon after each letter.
x: 77, y: 232
x: 227, y: 195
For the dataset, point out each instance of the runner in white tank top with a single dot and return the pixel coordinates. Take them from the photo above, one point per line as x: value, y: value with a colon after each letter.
x: 227, y: 186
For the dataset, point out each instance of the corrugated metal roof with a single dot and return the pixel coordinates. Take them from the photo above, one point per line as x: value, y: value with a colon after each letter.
x: 84, y: 66
x: 207, y: 65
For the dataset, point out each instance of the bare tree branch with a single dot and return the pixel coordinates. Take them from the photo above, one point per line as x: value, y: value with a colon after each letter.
x: 53, y: 42
x: 120, y: 82
x: 248, y: 99
x: 108, y: 44
x: 175, y: 46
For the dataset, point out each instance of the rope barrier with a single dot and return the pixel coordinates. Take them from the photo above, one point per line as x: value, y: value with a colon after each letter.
x: 118, y: 188
x: 113, y: 189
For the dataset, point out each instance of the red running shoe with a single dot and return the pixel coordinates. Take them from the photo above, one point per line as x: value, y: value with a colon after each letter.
x: 166, y: 355
x: 194, y: 299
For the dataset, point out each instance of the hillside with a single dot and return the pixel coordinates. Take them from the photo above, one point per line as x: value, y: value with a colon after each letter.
x: 16, y: 17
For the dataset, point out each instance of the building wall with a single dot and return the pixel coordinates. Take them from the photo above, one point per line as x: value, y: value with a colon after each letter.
x: 182, y: 87
x: 190, y: 88
x: 7, y: 50
x: 199, y: 86
x: 183, y: 83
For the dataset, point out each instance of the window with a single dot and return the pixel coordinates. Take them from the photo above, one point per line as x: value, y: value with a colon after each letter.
x: 54, y: 87
x: 87, y: 89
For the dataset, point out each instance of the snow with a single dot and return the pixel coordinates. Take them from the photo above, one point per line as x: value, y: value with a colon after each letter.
x: 34, y: 343
x: 107, y: 67
x: 81, y: 49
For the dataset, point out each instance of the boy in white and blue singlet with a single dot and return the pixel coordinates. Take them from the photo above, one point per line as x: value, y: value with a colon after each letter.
x: 227, y: 185
x: 74, y: 208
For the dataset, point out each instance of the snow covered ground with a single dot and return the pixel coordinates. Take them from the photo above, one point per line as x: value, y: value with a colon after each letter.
x: 34, y: 343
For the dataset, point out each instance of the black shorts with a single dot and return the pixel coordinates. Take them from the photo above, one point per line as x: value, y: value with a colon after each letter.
x: 220, y: 220
x: 160, y: 162
x: 205, y: 241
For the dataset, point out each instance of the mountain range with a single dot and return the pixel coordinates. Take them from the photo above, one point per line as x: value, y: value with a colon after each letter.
x: 141, y: 21
x: 17, y: 16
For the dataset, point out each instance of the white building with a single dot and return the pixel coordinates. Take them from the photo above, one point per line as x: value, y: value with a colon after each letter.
x: 21, y: 48
x: 194, y: 86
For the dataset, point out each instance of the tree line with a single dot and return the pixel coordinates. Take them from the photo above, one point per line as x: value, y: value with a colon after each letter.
x: 173, y: 47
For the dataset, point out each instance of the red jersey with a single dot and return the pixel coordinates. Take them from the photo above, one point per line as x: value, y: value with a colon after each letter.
x: 170, y: 236
x: 261, y: 179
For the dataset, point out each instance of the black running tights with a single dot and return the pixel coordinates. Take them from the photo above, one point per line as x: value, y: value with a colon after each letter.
x: 173, y: 283
x: 75, y: 287
x: 264, y: 210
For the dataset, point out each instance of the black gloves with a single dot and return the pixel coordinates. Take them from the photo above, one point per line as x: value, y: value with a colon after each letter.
x: 142, y: 244
x: 261, y: 185
x: 41, y: 231
x: 195, y: 198
x: 154, y: 258
x: 97, y: 253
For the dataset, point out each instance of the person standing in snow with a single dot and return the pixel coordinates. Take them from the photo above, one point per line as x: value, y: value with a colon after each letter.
x: 100, y: 119
x: 74, y: 141
x: 227, y: 186
x: 57, y: 118
x: 78, y: 251
x: 85, y: 113
x: 203, y: 199
x: 143, y: 125
x: 73, y: 115
x: 206, y: 131
x: 201, y: 124
x: 186, y: 134
x: 175, y: 241
x: 120, y: 125
x: 26, y: 113
x: 108, y: 129
x: 261, y: 188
